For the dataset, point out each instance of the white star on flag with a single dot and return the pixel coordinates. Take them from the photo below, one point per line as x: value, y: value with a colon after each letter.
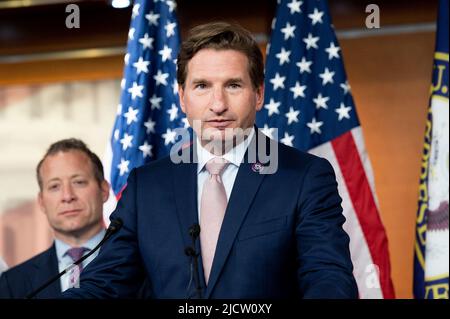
x: 131, y: 115
x: 166, y: 53
x: 173, y: 112
x: 170, y: 29
x: 175, y: 86
x: 123, y: 166
x: 294, y: 6
x: 283, y: 56
x: 172, y: 5
x: 155, y: 102
x: 146, y: 149
x: 298, y: 90
x: 161, y: 78
x: 185, y: 122
x: 327, y: 76
x: 292, y: 115
x: 311, y: 42
x: 152, y: 18
x: 321, y: 101
x: 272, y: 107
x: 345, y: 86
x: 146, y: 42
x: 278, y: 81
x: 267, y: 131
x: 333, y: 51
x: 316, y: 16
x: 141, y: 65
x: 150, y: 125
x: 343, y: 111
x: 169, y: 136
x: 136, y: 90
x: 304, y: 65
x: 288, y: 31
x: 126, y: 141
x: 135, y: 10
x: 287, y: 139
x: 131, y: 33
x: 315, y: 126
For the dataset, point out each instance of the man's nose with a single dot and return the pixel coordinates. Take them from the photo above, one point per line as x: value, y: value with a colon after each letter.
x: 68, y: 194
x: 219, y: 101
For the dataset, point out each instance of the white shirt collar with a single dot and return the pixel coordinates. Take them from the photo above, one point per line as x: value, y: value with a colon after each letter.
x: 62, y: 247
x: 234, y: 156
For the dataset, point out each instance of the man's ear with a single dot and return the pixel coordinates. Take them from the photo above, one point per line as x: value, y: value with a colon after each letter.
x: 259, y: 97
x: 181, y: 97
x: 105, y: 190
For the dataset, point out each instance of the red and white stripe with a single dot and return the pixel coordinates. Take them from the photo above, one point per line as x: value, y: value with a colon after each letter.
x: 368, y: 241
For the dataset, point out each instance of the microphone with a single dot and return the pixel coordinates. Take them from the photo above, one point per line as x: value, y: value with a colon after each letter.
x: 194, y: 232
x: 114, y: 226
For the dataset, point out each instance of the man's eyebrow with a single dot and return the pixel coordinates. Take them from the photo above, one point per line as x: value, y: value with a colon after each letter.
x: 57, y: 179
x: 54, y: 179
x: 199, y: 80
x: 234, y: 80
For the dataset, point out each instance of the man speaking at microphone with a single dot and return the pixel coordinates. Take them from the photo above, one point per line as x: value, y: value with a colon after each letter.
x: 221, y: 219
x: 72, y: 191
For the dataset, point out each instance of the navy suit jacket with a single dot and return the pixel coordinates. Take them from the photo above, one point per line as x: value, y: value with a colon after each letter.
x: 22, y: 279
x: 281, y: 236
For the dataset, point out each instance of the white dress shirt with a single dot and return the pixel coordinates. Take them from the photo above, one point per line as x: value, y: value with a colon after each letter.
x: 65, y: 260
x: 234, y: 156
x: 3, y: 266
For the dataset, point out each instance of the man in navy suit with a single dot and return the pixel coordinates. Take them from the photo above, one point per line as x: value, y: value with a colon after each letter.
x: 221, y: 219
x: 72, y: 193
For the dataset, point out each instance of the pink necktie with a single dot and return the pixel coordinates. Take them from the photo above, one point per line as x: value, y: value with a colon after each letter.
x: 76, y: 253
x: 212, y: 211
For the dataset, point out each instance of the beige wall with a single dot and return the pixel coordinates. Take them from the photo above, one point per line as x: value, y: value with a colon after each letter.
x: 31, y: 118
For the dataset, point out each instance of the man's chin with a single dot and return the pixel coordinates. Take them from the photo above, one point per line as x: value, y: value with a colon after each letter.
x: 218, y: 135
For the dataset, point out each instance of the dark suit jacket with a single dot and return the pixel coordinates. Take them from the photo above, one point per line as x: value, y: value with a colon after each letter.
x: 22, y: 279
x: 281, y: 237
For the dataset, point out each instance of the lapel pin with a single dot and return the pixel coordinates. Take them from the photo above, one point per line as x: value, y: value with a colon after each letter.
x: 257, y: 167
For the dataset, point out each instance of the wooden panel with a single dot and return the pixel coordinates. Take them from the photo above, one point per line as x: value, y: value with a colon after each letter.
x: 352, y: 13
x: 43, y: 28
x: 255, y: 15
x: 61, y: 70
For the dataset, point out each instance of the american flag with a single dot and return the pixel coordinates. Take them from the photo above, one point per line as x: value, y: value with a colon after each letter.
x: 308, y: 100
x: 149, y: 111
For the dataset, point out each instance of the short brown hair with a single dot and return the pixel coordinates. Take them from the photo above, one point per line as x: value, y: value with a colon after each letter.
x: 72, y: 144
x: 221, y: 36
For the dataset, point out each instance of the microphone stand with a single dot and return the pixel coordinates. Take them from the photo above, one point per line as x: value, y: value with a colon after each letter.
x: 194, y: 232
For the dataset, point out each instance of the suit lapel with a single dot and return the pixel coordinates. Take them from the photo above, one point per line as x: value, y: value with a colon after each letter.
x: 186, y: 197
x: 46, y: 268
x: 244, y: 190
x: 185, y: 187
